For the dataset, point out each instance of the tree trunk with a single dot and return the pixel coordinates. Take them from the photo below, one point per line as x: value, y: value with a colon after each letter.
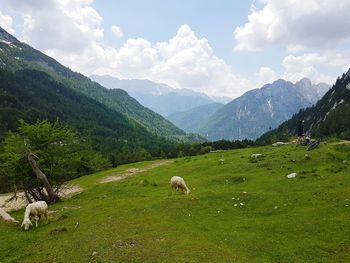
x: 53, y: 197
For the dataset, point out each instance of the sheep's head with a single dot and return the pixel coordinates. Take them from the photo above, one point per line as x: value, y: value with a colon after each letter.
x: 188, y: 191
x: 26, y: 224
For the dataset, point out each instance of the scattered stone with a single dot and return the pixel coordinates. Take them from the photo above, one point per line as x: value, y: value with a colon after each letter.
x: 292, y: 175
x: 244, y: 192
x: 345, y: 161
x: 276, y: 207
x: 235, y: 205
x: 5, y: 216
x: 125, y: 244
x: 307, y: 157
x: 241, y: 203
x: 256, y: 155
x: 94, y: 254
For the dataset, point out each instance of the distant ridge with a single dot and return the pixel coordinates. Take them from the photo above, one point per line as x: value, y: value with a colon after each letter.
x: 161, y: 98
x: 330, y: 116
x: 257, y: 111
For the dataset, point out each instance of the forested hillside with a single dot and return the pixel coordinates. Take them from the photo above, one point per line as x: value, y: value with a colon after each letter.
x: 16, y: 55
x: 34, y: 95
x: 192, y: 120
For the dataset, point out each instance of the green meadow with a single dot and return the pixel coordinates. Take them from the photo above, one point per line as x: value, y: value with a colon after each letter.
x: 240, y: 210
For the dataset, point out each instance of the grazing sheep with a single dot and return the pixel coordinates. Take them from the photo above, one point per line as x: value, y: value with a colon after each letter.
x: 34, y: 210
x: 256, y: 155
x: 177, y: 183
x: 5, y: 216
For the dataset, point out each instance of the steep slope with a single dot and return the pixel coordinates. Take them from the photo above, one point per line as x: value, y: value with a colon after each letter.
x: 34, y: 95
x: 161, y: 98
x: 193, y: 119
x: 259, y: 110
x: 15, y: 55
x: 329, y: 117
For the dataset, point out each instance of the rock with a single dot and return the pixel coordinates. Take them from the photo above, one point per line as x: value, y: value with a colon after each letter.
x: 292, y: 175
x: 276, y: 144
x: 345, y: 161
x: 256, y: 155
x: 94, y: 254
x: 6, y: 217
x: 307, y: 157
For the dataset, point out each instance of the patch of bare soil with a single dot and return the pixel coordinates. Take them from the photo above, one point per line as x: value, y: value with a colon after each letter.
x: 343, y: 142
x: 132, y: 171
x: 11, y: 204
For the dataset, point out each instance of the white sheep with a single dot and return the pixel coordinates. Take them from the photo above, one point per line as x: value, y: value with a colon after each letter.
x: 34, y: 210
x: 177, y: 183
x: 256, y: 155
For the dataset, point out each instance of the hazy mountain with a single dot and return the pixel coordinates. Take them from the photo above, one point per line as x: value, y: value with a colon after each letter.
x: 193, y: 119
x: 161, y: 98
x: 260, y: 110
x: 330, y: 116
x: 15, y: 56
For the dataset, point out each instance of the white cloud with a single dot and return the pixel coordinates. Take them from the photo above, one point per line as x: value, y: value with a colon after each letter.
x: 62, y: 25
x: 265, y: 75
x: 298, y: 24
x: 72, y: 32
x: 6, y: 23
x: 297, y: 67
x: 117, y: 31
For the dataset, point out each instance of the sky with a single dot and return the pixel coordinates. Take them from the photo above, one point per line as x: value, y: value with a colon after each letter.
x: 221, y: 48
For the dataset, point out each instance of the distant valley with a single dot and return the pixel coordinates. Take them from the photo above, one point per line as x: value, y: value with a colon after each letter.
x: 160, y: 98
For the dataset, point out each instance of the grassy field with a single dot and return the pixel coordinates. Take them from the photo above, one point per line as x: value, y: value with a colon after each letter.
x: 139, y: 219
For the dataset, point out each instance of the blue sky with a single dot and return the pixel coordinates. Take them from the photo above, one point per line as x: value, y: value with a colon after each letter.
x: 216, y: 47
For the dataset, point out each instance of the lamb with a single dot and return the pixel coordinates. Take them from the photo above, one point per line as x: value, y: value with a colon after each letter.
x: 34, y: 210
x: 177, y: 183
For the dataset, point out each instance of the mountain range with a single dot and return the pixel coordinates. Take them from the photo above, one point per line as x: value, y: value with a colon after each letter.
x: 330, y: 116
x: 160, y: 98
x: 252, y: 114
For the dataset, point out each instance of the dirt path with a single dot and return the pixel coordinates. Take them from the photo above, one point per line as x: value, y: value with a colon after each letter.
x: 21, y: 202
x: 342, y: 142
x: 132, y: 171
x: 70, y: 190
